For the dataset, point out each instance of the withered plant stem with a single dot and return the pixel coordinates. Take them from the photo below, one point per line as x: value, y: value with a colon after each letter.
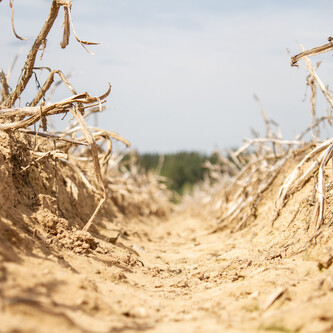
x: 31, y: 58
x: 314, y: 51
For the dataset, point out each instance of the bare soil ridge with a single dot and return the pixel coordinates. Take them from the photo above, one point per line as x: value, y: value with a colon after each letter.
x: 150, y: 273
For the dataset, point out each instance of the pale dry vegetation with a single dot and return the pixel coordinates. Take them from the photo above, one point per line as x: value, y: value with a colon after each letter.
x: 78, y: 145
x: 240, y: 180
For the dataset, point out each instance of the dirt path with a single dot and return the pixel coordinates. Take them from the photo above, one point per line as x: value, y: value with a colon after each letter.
x: 169, y: 276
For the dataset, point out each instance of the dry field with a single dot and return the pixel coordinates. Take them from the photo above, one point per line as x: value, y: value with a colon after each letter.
x: 87, y: 245
x: 166, y: 271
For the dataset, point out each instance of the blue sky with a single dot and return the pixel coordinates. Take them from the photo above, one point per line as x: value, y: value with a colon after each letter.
x: 183, y: 73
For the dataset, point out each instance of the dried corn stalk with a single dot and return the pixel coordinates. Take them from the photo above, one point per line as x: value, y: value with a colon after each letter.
x: 20, y: 119
x: 249, y: 171
x: 311, y: 164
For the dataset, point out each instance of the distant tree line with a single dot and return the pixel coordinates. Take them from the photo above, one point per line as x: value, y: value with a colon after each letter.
x: 182, y: 169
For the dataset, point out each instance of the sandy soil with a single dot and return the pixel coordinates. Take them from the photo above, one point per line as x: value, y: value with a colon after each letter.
x: 162, y: 274
x: 169, y: 276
